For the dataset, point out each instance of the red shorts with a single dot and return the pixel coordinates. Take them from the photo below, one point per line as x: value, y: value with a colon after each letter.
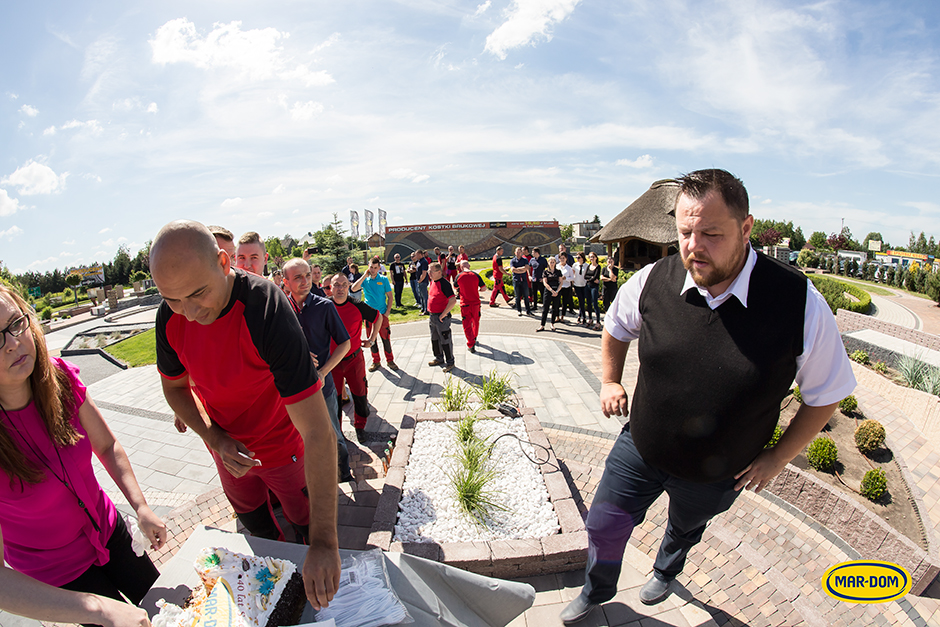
x: 248, y: 493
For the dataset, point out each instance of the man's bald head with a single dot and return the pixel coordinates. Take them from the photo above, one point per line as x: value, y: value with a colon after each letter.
x: 193, y: 275
x: 183, y: 242
x: 296, y: 262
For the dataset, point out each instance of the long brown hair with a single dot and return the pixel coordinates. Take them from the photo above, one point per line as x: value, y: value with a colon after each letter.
x: 53, y: 395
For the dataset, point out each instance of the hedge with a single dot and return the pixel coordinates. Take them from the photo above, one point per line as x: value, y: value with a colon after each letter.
x: 834, y: 292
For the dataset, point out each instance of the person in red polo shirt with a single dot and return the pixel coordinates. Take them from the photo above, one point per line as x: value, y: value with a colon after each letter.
x: 498, y: 270
x: 235, y: 338
x: 352, y: 368
x: 441, y: 300
x: 469, y: 286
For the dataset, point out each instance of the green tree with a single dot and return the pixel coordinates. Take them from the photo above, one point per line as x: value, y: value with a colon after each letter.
x: 596, y: 219
x: 121, y: 267
x: 933, y: 286
x: 818, y: 240
x: 918, y: 245
x: 331, y: 240
x: 274, y: 248
x: 567, y: 231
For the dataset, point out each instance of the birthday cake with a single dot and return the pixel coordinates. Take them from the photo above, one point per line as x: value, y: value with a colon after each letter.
x: 264, y: 592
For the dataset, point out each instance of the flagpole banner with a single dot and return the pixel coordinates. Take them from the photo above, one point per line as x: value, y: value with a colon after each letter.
x: 354, y: 223
x: 382, y: 222
x: 369, y: 231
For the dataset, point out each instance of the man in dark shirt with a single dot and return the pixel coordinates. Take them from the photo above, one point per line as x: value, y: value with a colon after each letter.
x: 441, y: 300
x: 538, y: 265
x: 352, y: 367
x: 233, y: 336
x: 316, y: 275
x: 322, y: 327
x: 520, y: 281
x: 424, y: 278
x: 397, y: 270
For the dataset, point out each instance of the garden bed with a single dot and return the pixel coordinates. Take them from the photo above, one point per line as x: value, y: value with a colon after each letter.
x: 516, y: 557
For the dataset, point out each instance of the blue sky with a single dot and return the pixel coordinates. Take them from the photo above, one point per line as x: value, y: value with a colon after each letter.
x: 117, y: 117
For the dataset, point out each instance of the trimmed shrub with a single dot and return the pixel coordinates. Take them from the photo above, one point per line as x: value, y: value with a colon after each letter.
x: 778, y: 433
x: 822, y: 453
x: 46, y: 313
x: 848, y: 405
x: 869, y: 435
x: 834, y: 292
x: 859, y: 356
x: 880, y: 367
x: 151, y: 290
x: 874, y: 484
x: 796, y: 394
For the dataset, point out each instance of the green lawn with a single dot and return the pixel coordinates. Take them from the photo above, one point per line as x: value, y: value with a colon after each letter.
x: 140, y: 350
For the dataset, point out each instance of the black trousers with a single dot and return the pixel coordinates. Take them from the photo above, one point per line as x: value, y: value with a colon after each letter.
x: 123, y: 573
x: 399, y: 288
x: 626, y: 490
x: 550, y: 301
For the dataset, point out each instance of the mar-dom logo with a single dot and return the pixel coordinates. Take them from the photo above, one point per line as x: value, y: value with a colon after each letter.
x: 866, y: 581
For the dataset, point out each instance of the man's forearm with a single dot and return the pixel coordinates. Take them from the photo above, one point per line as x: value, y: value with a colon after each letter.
x: 312, y: 420
x: 613, y: 356
x: 805, y: 425
x: 337, y: 356
x: 181, y: 401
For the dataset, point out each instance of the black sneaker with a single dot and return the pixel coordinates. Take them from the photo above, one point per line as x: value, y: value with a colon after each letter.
x: 472, y: 349
x: 361, y: 436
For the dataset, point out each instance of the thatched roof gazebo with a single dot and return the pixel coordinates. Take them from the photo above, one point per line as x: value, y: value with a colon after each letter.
x: 646, y: 230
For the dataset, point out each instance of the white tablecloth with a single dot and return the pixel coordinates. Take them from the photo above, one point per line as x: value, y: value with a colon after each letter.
x: 435, y: 594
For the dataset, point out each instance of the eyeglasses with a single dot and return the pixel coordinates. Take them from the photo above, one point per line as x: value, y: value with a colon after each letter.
x: 15, y: 329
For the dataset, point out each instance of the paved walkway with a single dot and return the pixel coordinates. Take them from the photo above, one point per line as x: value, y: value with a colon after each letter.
x: 760, y: 564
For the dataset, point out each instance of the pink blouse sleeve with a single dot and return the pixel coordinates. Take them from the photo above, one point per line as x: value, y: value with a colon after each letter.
x: 72, y: 371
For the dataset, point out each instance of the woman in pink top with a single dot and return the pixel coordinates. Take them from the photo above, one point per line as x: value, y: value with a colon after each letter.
x: 69, y: 550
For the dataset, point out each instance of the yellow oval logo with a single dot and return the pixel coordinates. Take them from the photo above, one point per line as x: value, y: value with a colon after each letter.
x: 866, y: 581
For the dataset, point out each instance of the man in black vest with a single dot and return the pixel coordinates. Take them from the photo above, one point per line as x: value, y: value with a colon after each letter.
x: 722, y: 333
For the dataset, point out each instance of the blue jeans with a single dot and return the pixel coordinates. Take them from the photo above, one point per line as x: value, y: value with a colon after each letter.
x: 591, y: 293
x: 414, y: 292
x: 423, y: 293
x: 626, y: 490
x: 329, y: 395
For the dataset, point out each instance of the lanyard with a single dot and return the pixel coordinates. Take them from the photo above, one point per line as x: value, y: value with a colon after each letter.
x: 64, y: 479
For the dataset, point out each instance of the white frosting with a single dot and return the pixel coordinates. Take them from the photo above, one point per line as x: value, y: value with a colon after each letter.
x: 257, y: 584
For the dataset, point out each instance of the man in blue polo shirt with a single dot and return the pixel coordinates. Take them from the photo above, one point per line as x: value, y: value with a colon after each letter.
x: 320, y: 323
x: 378, y: 295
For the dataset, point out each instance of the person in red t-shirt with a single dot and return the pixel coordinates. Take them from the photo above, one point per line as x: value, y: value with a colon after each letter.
x: 352, y: 368
x: 469, y: 286
x: 235, y: 338
x: 462, y: 254
x: 441, y: 300
x: 498, y: 270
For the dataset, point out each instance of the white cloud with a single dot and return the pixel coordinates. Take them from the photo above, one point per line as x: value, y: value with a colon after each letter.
x: 36, y: 178
x: 302, y: 112
x: 91, y: 125
x: 405, y: 173
x: 231, y: 202
x: 279, y: 189
x: 128, y: 104
x: 69, y: 242
x: 30, y: 111
x: 481, y: 9
x: 8, y: 206
x: 49, y: 131
x: 526, y: 21
x: 153, y: 108
x: 373, y: 200
x: 104, y: 230
x: 329, y: 41
x: 644, y: 161
x: 11, y: 232
x: 91, y: 177
x: 42, y: 262
x: 265, y: 214
x: 108, y: 242
x: 766, y: 201
x: 255, y: 54
x: 122, y: 239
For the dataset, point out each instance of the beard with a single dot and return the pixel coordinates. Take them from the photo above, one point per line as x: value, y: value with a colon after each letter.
x: 715, y: 272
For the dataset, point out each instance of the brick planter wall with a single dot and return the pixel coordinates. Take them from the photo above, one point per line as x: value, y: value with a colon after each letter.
x: 499, y: 558
x: 864, y: 531
x: 849, y: 321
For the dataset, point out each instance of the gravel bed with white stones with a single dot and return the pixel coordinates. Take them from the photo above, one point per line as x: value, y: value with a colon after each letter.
x: 428, y: 510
